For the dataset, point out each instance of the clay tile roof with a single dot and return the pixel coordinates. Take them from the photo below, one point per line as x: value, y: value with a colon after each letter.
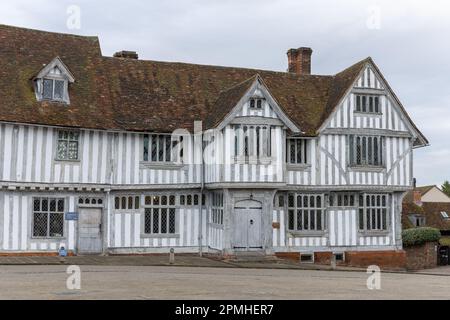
x: 409, y: 197
x: 430, y: 210
x: 139, y: 95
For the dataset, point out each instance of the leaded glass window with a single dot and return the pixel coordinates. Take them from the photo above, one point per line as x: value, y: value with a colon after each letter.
x: 67, y: 146
x: 48, y: 217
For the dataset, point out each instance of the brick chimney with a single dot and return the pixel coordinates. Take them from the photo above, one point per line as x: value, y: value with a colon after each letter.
x: 126, y: 54
x: 299, y: 60
x: 417, y: 197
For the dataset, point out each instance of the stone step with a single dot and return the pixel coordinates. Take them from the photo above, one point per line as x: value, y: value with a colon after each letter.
x: 252, y: 256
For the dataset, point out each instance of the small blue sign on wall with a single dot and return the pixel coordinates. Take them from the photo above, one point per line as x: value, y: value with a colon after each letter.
x: 71, y: 215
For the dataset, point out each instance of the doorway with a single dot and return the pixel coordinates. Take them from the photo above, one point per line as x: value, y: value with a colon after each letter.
x: 90, y: 231
x: 247, y: 225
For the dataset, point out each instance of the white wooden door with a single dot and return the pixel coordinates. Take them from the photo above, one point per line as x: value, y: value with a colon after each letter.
x: 90, y: 231
x: 247, y: 225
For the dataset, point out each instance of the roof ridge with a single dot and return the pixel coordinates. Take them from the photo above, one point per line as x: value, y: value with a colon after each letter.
x: 365, y: 60
x: 48, y: 32
x: 239, y: 84
x: 221, y: 67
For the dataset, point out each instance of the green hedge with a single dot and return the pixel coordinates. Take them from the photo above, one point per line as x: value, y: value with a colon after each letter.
x: 417, y: 236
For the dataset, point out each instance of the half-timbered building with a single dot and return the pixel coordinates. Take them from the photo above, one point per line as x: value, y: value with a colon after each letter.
x: 121, y: 155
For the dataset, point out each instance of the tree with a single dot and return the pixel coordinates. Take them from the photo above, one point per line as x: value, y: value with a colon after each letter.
x: 446, y: 188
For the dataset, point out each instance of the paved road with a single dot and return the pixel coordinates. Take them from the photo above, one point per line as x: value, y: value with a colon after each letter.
x: 151, y: 282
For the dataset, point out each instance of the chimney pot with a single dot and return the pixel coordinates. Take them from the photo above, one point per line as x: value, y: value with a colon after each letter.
x: 299, y: 60
x: 126, y: 54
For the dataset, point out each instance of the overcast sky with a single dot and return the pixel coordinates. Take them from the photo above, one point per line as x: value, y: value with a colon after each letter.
x: 409, y: 40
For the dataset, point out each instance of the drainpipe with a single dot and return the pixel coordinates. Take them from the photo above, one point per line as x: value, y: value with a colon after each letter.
x: 202, y: 186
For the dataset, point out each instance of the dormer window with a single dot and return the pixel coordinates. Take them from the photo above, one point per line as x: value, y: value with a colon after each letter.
x: 52, y: 82
x: 256, y: 103
x: 53, y: 89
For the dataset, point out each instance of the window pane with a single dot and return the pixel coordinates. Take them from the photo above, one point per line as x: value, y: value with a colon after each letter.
x: 44, y: 204
x: 306, y: 219
x: 171, y: 220
x: 299, y: 151
x: 319, y: 219
x: 291, y: 219
x: 136, y: 202
x: 281, y: 201
x: 154, y: 143
x: 40, y: 224
x: 168, y: 150
x: 56, y: 224
x: 47, y: 92
x: 61, y: 205
x: 161, y: 148
x: 52, y: 205
x: 62, y: 150
x: 155, y: 221
x: 73, y: 150
x: 146, y: 141
x: 147, y: 222
x: 292, y: 151
x: 59, y: 90
x: 299, y: 220
x: 164, y: 220
x: 361, y: 219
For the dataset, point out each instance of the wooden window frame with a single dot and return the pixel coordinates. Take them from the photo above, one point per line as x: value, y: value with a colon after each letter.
x: 252, y: 143
x: 306, y: 212
x: 361, y: 156
x: 169, y: 149
x: 217, y: 209
x: 294, y: 144
x: 48, y: 212
x: 122, y: 203
x: 256, y: 103
x: 76, y: 134
x: 153, y: 203
x: 365, y: 102
x: 379, y: 214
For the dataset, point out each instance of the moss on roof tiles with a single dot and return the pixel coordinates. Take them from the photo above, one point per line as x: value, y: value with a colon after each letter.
x: 138, y: 95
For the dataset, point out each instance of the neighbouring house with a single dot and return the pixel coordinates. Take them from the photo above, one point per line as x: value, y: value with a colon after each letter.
x: 120, y: 155
x: 428, y: 206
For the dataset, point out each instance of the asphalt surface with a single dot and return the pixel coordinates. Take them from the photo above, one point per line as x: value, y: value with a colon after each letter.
x: 175, y: 282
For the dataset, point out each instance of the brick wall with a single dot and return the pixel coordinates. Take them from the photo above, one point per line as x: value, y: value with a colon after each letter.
x: 295, y: 256
x: 387, y: 260
x: 421, y: 257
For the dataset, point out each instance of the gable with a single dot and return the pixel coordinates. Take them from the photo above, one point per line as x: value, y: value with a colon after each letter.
x: 435, y: 195
x: 368, y: 79
x: 269, y: 111
x: 56, y: 68
x: 391, y: 115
